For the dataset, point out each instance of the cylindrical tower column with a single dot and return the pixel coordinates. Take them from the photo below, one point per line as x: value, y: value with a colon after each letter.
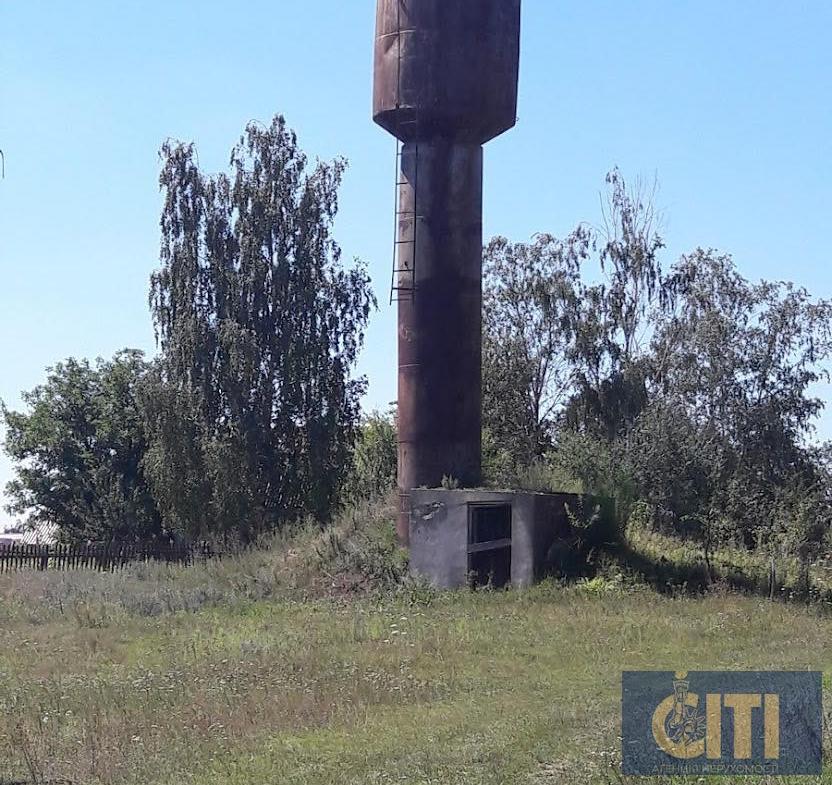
x: 440, y: 324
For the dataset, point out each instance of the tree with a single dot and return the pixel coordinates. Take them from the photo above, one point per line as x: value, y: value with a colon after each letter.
x: 737, y: 361
x: 688, y: 390
x: 556, y: 347
x: 530, y: 293
x: 615, y: 317
x: 79, y: 452
x: 253, y: 409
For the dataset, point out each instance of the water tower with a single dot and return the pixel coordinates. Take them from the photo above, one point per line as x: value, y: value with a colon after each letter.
x: 446, y: 74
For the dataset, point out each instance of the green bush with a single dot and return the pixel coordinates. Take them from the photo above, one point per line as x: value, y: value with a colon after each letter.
x: 374, y: 459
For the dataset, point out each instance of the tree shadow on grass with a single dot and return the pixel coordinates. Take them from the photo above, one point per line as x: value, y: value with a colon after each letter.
x: 669, y: 577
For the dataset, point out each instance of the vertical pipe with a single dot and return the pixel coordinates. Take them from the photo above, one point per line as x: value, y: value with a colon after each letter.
x: 440, y: 325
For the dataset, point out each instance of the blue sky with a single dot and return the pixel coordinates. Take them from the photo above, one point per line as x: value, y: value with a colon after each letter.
x: 728, y: 103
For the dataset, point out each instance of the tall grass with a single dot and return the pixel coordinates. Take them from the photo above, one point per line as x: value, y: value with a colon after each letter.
x: 315, y: 662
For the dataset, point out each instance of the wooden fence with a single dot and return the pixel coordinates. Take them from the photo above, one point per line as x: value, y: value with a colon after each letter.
x: 17, y: 556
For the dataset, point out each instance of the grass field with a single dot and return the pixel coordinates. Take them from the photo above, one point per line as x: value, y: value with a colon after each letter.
x: 272, y: 668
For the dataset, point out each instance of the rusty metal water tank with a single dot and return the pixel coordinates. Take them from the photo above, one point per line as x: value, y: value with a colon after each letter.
x: 446, y: 68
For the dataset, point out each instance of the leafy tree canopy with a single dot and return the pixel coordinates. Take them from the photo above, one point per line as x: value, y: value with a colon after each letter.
x: 253, y: 409
x: 690, y: 389
x: 79, y: 451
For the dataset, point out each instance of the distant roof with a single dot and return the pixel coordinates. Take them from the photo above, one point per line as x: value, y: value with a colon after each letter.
x: 39, y: 534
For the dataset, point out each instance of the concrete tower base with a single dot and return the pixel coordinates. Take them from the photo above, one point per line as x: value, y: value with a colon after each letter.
x: 464, y: 537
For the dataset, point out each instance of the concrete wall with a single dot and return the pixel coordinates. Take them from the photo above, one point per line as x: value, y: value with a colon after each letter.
x: 439, y: 532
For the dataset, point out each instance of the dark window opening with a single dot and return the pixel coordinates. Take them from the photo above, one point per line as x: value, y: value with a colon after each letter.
x: 489, y: 524
x: 489, y: 545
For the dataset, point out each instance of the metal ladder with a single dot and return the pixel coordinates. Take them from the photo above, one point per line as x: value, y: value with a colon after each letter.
x: 403, y: 286
x: 404, y: 242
